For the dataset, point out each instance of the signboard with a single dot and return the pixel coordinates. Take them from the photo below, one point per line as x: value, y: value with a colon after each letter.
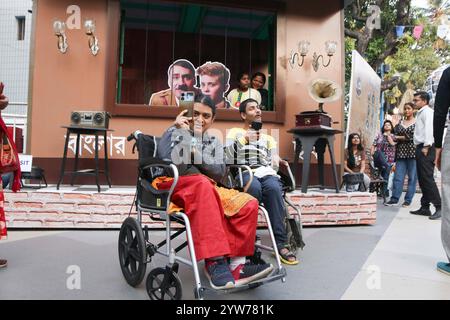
x: 26, y: 162
x: 364, y: 110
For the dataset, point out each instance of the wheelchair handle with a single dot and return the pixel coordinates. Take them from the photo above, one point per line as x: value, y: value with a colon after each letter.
x: 134, y: 135
x: 241, y: 167
x: 175, y: 174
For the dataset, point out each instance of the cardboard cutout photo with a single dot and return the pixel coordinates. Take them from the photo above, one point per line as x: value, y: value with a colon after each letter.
x: 215, y: 82
x: 364, y: 112
x: 180, y: 78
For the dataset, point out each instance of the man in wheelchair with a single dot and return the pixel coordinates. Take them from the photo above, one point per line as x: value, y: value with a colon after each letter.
x: 223, y: 221
x: 248, y: 146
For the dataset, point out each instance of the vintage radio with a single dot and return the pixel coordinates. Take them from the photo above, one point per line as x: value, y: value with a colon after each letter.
x: 312, y: 119
x: 90, y: 119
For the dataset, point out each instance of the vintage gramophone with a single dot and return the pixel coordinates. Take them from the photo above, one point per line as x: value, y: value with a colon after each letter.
x: 321, y: 90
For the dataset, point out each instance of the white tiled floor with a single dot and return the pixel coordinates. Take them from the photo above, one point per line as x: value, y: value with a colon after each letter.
x: 403, y: 264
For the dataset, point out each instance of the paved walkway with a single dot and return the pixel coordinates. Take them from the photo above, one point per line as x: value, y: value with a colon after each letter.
x: 395, y: 259
x: 403, y: 264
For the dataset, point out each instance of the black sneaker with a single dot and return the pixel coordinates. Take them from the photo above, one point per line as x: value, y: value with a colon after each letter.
x: 246, y: 273
x: 3, y: 263
x: 219, y: 274
x: 422, y: 212
x: 391, y: 203
x: 436, y: 215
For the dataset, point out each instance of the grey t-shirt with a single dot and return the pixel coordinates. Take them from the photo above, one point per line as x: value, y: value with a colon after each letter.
x: 176, y: 145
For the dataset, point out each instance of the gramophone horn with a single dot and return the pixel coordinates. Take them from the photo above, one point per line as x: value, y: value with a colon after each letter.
x: 324, y: 90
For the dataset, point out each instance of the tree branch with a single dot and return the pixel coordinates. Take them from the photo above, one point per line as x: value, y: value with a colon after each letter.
x: 356, y: 12
x: 389, y: 83
x: 352, y: 34
x: 402, y: 18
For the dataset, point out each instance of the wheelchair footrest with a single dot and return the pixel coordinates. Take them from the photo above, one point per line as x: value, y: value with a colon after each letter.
x: 276, y: 275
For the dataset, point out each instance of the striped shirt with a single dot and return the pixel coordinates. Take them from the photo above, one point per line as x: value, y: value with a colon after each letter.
x: 253, y: 153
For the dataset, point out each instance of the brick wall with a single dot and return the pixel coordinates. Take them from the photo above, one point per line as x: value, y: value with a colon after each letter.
x: 33, y: 209
x: 335, y: 209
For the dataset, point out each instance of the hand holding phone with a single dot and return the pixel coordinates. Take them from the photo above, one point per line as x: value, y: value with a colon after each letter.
x: 187, y: 102
x: 1, y: 88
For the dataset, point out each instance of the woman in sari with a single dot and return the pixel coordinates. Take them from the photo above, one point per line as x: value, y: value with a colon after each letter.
x: 3, y: 262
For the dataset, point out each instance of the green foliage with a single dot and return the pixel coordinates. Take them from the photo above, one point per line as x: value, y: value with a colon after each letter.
x: 413, y: 60
x: 376, y: 47
x: 349, y: 47
x: 416, y: 59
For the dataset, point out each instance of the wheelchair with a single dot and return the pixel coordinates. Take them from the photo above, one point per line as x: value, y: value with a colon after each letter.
x: 135, y: 248
x: 293, y: 224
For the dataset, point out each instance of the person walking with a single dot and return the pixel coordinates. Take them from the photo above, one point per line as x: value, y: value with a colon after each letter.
x: 405, y: 156
x: 425, y: 157
x: 441, y: 110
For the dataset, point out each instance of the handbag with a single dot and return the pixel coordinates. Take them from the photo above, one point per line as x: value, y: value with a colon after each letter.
x: 354, y: 182
x: 353, y: 178
x: 9, y: 159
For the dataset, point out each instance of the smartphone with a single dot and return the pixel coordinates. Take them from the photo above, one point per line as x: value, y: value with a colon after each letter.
x: 256, y: 125
x: 187, y: 102
x: 1, y: 88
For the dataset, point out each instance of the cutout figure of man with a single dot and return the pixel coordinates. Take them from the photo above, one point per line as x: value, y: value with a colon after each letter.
x: 214, y: 82
x: 180, y: 78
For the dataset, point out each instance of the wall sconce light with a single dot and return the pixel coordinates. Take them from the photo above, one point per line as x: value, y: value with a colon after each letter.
x: 303, y: 47
x: 89, y: 27
x: 330, y: 49
x: 59, y: 28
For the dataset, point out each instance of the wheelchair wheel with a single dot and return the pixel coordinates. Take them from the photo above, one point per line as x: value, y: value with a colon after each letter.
x: 132, y: 252
x: 158, y: 289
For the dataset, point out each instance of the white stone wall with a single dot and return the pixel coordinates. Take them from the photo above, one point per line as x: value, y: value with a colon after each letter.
x: 15, y: 54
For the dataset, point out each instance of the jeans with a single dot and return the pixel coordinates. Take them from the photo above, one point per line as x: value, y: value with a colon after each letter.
x: 268, y: 191
x: 7, y: 179
x: 384, y: 166
x: 402, y: 167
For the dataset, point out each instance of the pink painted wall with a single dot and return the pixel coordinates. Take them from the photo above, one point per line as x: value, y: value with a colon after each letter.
x: 61, y: 83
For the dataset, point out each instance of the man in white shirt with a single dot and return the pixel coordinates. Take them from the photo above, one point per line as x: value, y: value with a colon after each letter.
x: 425, y: 155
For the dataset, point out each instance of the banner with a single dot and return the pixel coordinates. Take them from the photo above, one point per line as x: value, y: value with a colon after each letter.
x: 399, y: 30
x: 417, y: 32
x: 364, y: 110
x: 442, y: 31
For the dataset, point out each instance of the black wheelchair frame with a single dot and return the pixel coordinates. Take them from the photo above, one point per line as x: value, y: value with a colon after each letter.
x: 293, y: 223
